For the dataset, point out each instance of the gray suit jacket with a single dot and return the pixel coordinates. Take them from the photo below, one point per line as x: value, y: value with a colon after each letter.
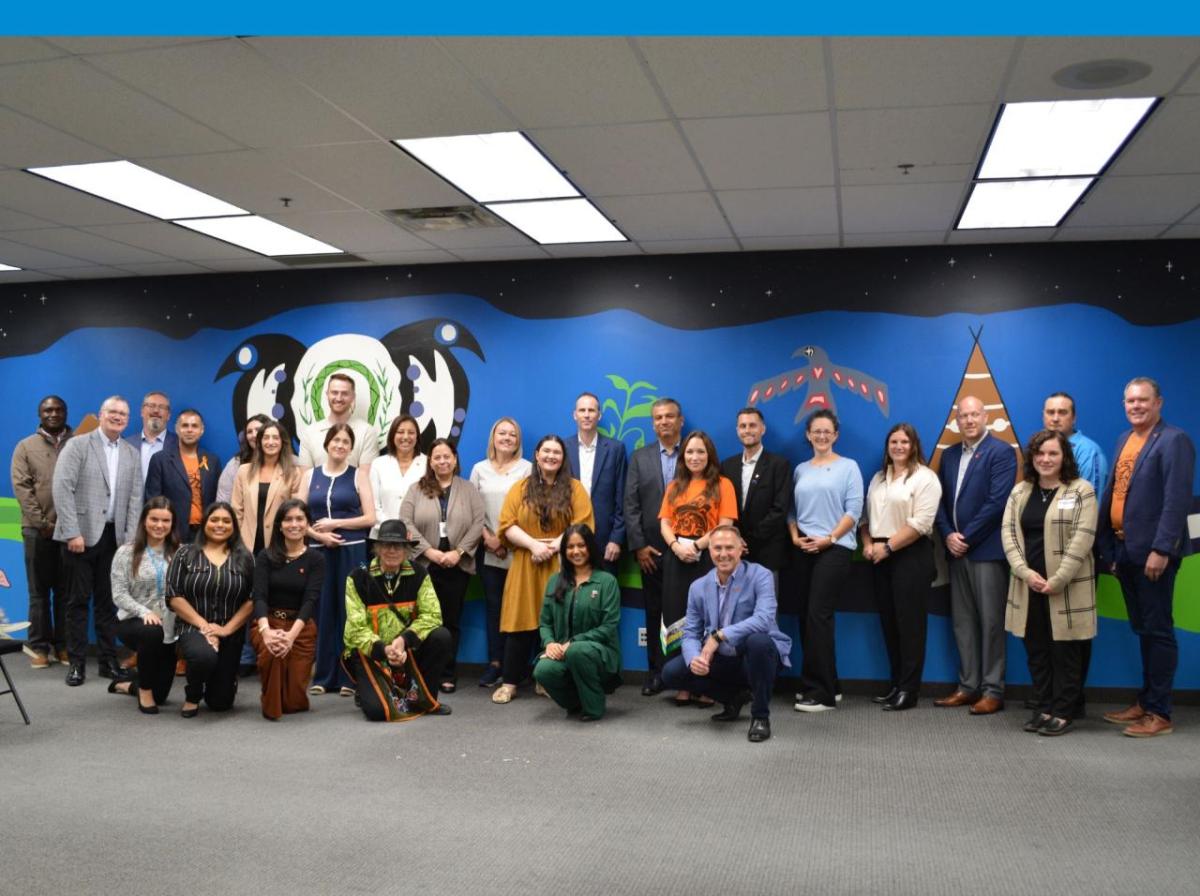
x: 643, y: 496
x: 82, y: 489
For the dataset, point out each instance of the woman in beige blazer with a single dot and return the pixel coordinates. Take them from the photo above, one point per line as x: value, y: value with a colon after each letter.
x: 444, y: 514
x: 262, y: 485
x: 1048, y: 529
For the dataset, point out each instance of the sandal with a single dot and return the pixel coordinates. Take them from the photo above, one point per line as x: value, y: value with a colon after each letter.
x: 347, y: 691
x: 316, y: 690
x: 504, y: 694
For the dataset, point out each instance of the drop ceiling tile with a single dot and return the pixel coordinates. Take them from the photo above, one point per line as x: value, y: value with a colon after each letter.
x: 372, y: 176
x: 384, y: 83
x: 675, y: 216
x: 90, y: 272
x: 911, y: 238
x: 14, y: 220
x: 236, y: 92
x: 704, y: 77
x: 171, y: 241
x: 1168, y: 143
x: 903, y: 207
x: 510, y: 253
x: 593, y: 250
x: 164, y: 268
x: 249, y: 264
x: 15, y: 277
x: 1143, y: 232
x: 355, y: 231
x: 26, y: 49
x: 1183, y: 232
x: 622, y: 160
x: 1192, y: 84
x: 1002, y: 235
x: 22, y: 256
x: 33, y: 195
x: 774, y: 243
x: 430, y: 256
x: 873, y: 73
x: 81, y: 244
x: 248, y: 179
x: 1040, y: 58
x: 28, y: 143
x: 880, y: 139
x: 769, y: 213
x: 83, y: 46
x: 555, y: 82
x: 1138, y: 200
x: 765, y: 151
x: 482, y: 238
x: 918, y: 174
x: 690, y: 247
x: 71, y: 95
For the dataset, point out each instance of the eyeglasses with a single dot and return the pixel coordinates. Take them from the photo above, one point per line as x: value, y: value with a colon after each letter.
x: 156, y: 406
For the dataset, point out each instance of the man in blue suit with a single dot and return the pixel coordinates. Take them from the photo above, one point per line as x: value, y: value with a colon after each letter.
x: 185, y: 474
x: 1143, y: 536
x: 153, y: 437
x: 732, y: 647
x: 977, y: 474
x: 598, y: 462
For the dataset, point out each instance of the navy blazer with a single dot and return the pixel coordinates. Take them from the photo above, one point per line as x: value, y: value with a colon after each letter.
x: 762, y: 516
x: 607, y: 486
x: 990, y: 477
x: 1158, y: 500
x: 752, y: 588
x: 167, y: 476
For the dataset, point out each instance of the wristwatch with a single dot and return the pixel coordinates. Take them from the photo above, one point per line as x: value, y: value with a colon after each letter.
x: 720, y: 638
x: 888, y: 547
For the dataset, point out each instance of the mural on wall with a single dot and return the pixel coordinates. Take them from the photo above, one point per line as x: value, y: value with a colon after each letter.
x: 411, y: 370
x: 822, y: 375
x: 525, y: 339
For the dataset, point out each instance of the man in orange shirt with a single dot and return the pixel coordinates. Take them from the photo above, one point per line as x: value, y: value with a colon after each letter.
x: 186, y: 474
x: 1143, y: 536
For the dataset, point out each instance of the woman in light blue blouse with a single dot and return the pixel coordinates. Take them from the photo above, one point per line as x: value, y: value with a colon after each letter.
x: 827, y: 502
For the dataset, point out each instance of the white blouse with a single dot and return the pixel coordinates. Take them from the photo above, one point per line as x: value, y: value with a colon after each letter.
x: 495, y: 487
x: 893, y: 503
x: 389, y: 486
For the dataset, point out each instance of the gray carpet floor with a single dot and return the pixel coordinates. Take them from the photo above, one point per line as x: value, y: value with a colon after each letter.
x: 518, y: 799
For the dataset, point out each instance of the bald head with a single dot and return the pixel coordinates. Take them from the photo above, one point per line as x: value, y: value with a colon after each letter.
x: 971, y: 418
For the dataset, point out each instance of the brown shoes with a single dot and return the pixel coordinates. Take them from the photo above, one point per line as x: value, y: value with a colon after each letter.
x: 1150, y: 725
x: 986, y: 706
x: 39, y: 661
x: 1125, y: 716
x: 958, y: 698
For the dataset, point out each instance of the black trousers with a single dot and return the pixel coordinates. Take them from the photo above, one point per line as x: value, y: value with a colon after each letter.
x: 156, y: 660
x: 431, y: 656
x: 518, y: 655
x: 88, y: 578
x: 212, y: 675
x: 47, y: 594
x: 652, y: 592
x: 450, y: 586
x: 820, y: 578
x: 902, y: 585
x: 1056, y: 667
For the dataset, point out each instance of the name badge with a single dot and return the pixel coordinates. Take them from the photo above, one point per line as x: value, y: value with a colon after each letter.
x: 442, y: 530
x: 1066, y: 503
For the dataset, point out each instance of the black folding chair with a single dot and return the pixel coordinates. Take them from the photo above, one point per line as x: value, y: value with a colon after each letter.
x: 7, y: 646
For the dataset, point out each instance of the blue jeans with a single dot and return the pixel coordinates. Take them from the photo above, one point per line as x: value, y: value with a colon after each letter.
x: 1150, y: 617
x: 754, y: 667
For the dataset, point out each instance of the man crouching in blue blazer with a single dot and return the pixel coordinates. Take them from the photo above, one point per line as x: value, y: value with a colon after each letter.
x: 732, y: 645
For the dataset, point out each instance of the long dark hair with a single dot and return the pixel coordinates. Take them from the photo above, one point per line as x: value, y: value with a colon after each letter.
x: 287, y: 460
x: 239, y: 556
x: 711, y: 473
x: 1070, y: 469
x: 566, y: 574
x: 430, y: 487
x: 916, y: 457
x: 551, y: 501
x: 245, y: 449
x: 390, y: 447
x: 276, y: 550
x: 170, y: 543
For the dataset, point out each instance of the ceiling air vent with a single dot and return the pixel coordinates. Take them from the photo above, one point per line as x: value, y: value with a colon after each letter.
x: 304, y: 261
x: 442, y: 218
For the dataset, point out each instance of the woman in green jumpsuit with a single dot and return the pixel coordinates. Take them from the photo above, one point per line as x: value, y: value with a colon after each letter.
x: 581, y: 659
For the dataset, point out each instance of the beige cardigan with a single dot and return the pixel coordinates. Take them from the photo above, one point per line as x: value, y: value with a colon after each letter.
x: 422, y: 516
x: 1070, y: 529
x: 245, y: 502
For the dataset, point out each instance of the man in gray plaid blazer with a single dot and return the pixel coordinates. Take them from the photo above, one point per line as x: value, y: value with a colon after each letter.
x: 98, y: 496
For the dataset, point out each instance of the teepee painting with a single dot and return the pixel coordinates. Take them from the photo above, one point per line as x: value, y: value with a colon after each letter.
x: 978, y: 382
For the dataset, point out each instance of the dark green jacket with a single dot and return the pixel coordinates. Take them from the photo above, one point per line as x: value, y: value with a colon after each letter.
x: 591, y: 613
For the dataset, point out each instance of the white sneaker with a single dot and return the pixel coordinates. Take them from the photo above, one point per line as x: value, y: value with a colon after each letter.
x: 810, y: 705
x: 837, y: 698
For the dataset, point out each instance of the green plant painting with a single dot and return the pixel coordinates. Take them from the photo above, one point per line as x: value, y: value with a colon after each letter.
x: 626, y: 412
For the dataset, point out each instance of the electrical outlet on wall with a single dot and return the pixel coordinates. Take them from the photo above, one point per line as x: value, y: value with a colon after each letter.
x: 642, y: 636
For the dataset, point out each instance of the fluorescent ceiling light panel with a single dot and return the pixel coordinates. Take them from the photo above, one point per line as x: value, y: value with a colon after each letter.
x: 140, y: 189
x: 260, y: 235
x: 1061, y: 138
x: 492, y: 167
x: 554, y: 221
x: 1021, y: 203
x: 8, y: 267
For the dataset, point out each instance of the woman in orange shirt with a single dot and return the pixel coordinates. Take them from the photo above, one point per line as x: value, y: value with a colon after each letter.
x: 696, y: 501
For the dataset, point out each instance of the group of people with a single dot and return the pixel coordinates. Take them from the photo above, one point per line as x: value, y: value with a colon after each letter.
x: 348, y: 568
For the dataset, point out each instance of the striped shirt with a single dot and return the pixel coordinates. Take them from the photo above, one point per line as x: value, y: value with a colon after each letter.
x: 215, y: 592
